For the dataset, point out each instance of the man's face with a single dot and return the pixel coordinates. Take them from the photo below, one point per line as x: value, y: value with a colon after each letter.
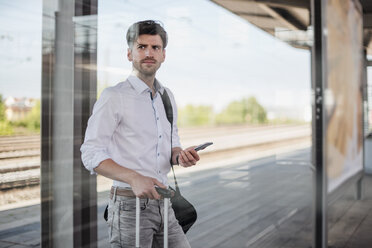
x: 147, y: 54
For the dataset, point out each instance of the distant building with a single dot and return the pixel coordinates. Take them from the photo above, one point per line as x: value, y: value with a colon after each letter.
x: 17, y: 108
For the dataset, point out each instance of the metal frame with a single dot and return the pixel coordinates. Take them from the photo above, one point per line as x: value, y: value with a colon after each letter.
x: 318, y: 82
x: 46, y: 168
x: 68, y: 192
x: 85, y: 92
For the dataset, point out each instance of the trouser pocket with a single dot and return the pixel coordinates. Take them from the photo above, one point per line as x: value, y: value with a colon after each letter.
x: 127, y: 221
x: 113, y: 225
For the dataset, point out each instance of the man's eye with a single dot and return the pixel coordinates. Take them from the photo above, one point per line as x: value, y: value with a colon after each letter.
x: 141, y: 47
x: 156, y: 48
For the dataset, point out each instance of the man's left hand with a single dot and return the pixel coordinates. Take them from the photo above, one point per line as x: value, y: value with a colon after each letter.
x: 188, y: 157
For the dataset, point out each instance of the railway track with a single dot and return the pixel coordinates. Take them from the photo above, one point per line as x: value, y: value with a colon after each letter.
x: 20, y: 155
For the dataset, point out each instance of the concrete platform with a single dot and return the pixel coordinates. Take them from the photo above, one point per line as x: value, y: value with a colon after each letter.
x: 260, y: 203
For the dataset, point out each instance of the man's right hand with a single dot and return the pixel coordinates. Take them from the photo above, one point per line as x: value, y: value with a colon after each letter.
x: 144, y: 187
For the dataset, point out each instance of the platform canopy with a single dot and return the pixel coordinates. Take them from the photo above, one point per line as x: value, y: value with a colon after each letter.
x: 289, y: 20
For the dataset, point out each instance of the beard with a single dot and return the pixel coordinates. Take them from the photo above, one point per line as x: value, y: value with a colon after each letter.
x: 145, y: 69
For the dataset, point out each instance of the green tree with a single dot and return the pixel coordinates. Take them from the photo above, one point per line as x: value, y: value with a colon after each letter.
x: 246, y: 110
x: 191, y: 115
x: 234, y: 113
x: 256, y: 113
x: 5, y: 127
x: 33, y: 118
x: 2, y: 109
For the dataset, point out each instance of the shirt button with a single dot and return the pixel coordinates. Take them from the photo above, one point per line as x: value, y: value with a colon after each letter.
x: 157, y: 118
x: 159, y: 172
x: 159, y: 136
x: 158, y: 154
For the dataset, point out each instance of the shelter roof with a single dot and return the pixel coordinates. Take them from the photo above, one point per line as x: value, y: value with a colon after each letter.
x: 289, y: 20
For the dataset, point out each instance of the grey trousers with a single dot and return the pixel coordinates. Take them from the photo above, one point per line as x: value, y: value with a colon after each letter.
x: 122, y: 224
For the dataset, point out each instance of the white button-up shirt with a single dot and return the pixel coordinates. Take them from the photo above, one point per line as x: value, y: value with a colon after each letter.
x: 131, y: 128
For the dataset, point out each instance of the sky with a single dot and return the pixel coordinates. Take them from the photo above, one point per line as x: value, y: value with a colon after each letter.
x: 213, y: 56
x: 20, y: 48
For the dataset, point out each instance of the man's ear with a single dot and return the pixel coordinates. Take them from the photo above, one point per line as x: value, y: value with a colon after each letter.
x: 163, y: 55
x: 129, y: 54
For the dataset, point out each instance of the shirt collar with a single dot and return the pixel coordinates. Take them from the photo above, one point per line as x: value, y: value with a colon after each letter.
x: 141, y: 86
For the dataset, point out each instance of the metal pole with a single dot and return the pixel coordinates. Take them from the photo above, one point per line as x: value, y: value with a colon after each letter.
x: 137, y: 222
x: 359, y: 189
x: 318, y: 81
x: 166, y: 205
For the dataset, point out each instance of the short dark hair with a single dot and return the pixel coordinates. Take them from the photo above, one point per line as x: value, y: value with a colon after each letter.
x: 146, y: 27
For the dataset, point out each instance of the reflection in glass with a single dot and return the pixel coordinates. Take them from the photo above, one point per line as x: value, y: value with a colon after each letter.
x: 20, y: 88
x: 246, y: 91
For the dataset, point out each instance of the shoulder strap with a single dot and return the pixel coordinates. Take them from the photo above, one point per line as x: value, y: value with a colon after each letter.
x: 168, y: 107
x: 169, y: 112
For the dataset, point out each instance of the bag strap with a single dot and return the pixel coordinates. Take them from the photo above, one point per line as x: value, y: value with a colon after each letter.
x: 169, y: 112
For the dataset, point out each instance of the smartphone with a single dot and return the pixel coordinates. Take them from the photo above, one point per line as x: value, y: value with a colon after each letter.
x: 166, y: 193
x: 203, y: 146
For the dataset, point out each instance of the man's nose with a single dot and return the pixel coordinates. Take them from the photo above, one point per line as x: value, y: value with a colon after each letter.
x: 149, y: 52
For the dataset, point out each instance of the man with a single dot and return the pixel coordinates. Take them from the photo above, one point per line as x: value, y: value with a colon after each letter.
x: 128, y: 139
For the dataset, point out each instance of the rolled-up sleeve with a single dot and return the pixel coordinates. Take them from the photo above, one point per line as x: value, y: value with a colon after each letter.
x: 101, y: 126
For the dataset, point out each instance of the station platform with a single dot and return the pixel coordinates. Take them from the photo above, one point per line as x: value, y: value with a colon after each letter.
x: 260, y: 203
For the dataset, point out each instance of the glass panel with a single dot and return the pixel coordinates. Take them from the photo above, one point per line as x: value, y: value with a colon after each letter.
x: 243, y: 89
x: 369, y: 96
x: 20, y: 83
x: 344, y: 138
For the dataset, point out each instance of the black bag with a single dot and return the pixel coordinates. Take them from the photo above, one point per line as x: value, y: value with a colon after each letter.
x: 183, y: 209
